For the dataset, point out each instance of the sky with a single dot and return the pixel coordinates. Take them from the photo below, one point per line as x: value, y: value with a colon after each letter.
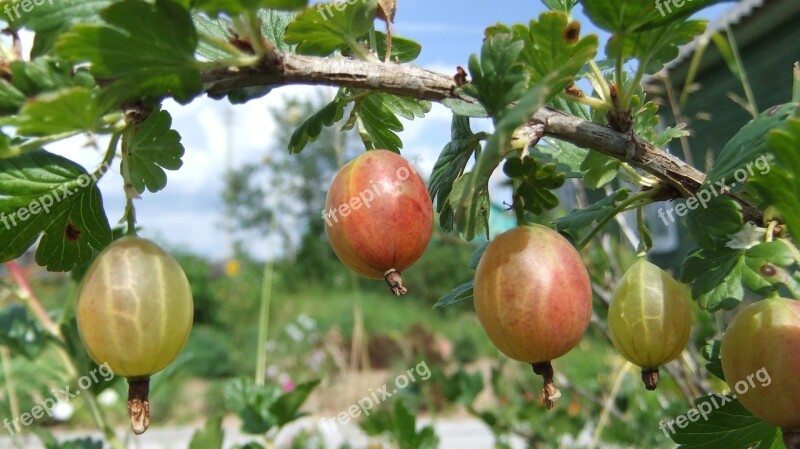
x: 189, y: 213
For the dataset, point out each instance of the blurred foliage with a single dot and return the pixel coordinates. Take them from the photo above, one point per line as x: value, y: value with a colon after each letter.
x: 208, y: 351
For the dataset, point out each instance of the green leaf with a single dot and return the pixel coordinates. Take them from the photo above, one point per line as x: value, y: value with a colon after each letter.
x: 250, y: 445
x: 570, y: 107
x: 210, y: 436
x: 761, y: 260
x: 449, y: 167
x: 47, y: 74
x: 50, y: 442
x: 476, y: 256
x: 656, y: 47
x: 599, y: 169
x: 273, y: 26
x: 646, y: 120
x: 251, y: 403
x: 404, y: 425
x: 628, y: 16
x: 560, y: 5
x: 408, y: 108
x: 328, y: 27
x: 461, y: 293
x: 716, y: 277
x: 51, y: 18
x: 549, y: 53
x: 80, y: 443
x: 152, y: 56
x: 748, y: 144
x: 471, y: 217
x: 66, y: 111
x: 19, y: 333
x: 779, y: 183
x: 620, y: 16
x: 725, y: 424
x: 710, y: 220
x: 377, y: 114
x: 671, y: 13
x: 405, y: 431
x: 154, y: 148
x: 403, y: 50
x: 576, y: 221
x: 535, y: 183
x: 463, y: 387
x: 11, y: 99
x: 309, y: 130
x: 57, y: 15
x: 44, y: 193
x: 567, y: 157
x: 231, y: 7
x: 498, y: 79
x: 719, y: 276
x: 217, y: 29
x: 463, y: 107
x: 711, y: 353
x: 285, y: 408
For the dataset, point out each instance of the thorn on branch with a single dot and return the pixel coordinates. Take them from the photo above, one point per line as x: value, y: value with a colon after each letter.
x: 461, y: 76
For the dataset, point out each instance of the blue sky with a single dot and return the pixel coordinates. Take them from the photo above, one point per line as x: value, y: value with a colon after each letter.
x: 189, y: 213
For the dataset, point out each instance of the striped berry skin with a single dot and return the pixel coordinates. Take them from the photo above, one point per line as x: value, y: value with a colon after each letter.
x: 134, y: 308
x: 379, y: 216
x: 533, y: 297
x: 649, y: 318
x: 532, y: 293
x: 760, y: 355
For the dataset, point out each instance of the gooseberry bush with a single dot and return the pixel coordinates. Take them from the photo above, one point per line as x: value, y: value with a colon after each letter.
x: 560, y: 111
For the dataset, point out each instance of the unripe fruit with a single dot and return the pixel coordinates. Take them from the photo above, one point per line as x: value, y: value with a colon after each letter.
x: 533, y: 298
x: 379, y: 216
x: 761, y: 361
x: 134, y: 312
x: 649, y: 318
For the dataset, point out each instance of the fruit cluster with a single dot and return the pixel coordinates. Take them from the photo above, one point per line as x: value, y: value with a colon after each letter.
x: 532, y: 295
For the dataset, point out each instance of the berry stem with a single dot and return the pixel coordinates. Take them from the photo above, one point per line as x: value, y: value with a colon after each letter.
x: 650, y: 378
x: 791, y: 438
x: 550, y: 393
x: 395, y: 282
x: 139, y: 404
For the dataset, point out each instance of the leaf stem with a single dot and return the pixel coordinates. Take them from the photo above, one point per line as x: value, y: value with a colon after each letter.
x: 257, y: 39
x: 38, y: 142
x: 642, y: 250
x: 263, y: 325
x: 639, y: 199
x: 595, y: 103
x: 641, y: 180
x: 360, y: 52
x: 240, y: 61
x: 130, y: 189
x: 516, y: 204
x: 618, y: 77
x: 605, y: 90
x: 105, y: 164
x: 219, y: 44
x: 373, y: 41
x: 626, y: 94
